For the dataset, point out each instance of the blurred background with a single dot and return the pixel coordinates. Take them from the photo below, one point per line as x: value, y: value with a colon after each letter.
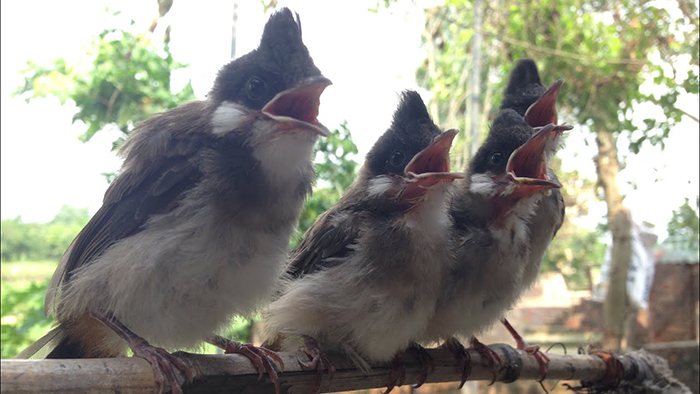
x: 77, y: 75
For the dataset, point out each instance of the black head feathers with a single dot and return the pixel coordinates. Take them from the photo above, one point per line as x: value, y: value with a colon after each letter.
x: 508, y: 132
x: 524, y: 87
x: 280, y: 62
x: 411, y: 131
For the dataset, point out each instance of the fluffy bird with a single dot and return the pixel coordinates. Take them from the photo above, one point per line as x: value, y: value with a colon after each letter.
x: 527, y: 95
x: 366, y: 276
x: 506, y: 214
x: 195, y: 227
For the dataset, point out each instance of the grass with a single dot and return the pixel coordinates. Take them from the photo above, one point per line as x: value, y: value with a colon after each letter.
x: 22, y: 273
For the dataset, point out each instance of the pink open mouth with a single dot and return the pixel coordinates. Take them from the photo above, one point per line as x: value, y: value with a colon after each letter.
x: 429, y: 167
x: 300, y: 104
x: 527, y: 165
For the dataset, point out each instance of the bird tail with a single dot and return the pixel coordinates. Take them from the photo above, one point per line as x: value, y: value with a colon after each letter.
x: 84, y: 338
x: 67, y: 347
x: 40, y: 344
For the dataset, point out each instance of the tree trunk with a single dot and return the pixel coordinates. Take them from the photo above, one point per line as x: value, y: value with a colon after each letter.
x: 616, y: 301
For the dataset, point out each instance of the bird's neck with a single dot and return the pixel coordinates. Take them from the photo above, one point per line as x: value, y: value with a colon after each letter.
x: 505, y: 216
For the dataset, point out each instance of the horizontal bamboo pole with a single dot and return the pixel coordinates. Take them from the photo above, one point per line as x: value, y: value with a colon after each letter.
x: 235, y: 373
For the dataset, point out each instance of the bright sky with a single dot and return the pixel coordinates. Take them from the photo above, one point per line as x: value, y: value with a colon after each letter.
x: 370, y: 57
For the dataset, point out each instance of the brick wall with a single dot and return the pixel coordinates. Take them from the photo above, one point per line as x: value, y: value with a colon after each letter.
x: 673, y: 303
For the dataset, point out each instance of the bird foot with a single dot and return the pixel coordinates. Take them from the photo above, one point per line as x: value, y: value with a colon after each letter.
x: 542, y: 359
x: 163, y: 363
x: 534, y: 350
x: 318, y: 361
x: 462, y: 356
x: 489, y: 357
x: 262, y: 358
x: 398, y: 372
x: 426, y: 362
x: 164, y: 366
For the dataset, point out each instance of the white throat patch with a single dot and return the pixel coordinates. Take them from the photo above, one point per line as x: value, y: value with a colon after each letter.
x: 228, y: 116
x: 379, y: 185
x: 482, y: 184
x: 285, y: 156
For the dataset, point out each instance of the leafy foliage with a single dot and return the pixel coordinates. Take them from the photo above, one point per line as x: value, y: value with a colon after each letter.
x: 336, y: 169
x: 36, y: 241
x: 684, y: 226
x: 611, y: 53
x: 126, y: 79
x: 23, y: 319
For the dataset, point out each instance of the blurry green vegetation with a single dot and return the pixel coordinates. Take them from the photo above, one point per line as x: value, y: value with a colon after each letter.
x: 684, y: 226
x: 30, y: 253
x: 606, y: 51
x: 575, y: 252
x: 23, y: 319
x: 335, y: 170
x: 34, y: 241
x: 125, y: 78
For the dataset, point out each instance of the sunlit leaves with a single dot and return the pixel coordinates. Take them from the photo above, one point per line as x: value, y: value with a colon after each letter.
x: 336, y: 170
x: 125, y: 80
x: 684, y: 227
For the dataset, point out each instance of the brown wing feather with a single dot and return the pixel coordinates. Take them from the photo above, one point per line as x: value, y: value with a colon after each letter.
x: 128, y: 203
x: 325, y: 242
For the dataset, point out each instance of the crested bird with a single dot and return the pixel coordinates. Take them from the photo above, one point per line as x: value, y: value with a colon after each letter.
x: 196, y: 226
x: 366, y: 275
x: 505, y: 215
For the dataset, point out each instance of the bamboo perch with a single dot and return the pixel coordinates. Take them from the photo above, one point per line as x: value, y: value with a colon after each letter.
x: 236, y: 374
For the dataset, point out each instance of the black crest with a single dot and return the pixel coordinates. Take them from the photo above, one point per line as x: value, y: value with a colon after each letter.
x: 280, y: 62
x: 411, y: 131
x: 508, y: 131
x: 524, y: 87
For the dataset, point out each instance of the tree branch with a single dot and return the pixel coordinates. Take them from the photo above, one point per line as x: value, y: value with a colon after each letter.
x: 693, y: 117
x: 235, y: 374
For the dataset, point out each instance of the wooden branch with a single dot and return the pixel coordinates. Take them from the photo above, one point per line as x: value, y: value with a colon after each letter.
x: 235, y: 373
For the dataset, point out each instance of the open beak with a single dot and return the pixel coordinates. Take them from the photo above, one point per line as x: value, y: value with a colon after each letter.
x: 429, y: 168
x: 544, y: 111
x: 299, y: 105
x: 527, y: 165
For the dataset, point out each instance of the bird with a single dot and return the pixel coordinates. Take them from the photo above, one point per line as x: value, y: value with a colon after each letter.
x: 196, y: 226
x: 505, y: 215
x: 366, y: 275
x: 527, y: 95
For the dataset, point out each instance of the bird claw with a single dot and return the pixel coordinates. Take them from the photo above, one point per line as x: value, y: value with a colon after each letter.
x: 534, y: 350
x: 164, y: 365
x: 463, y: 358
x: 542, y: 359
x: 261, y: 358
x: 398, y: 373
x: 318, y: 361
x: 427, y: 364
x: 489, y: 357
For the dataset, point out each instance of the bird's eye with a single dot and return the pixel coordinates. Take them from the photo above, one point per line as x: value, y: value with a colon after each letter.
x: 256, y: 88
x: 397, y: 158
x: 496, y: 158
